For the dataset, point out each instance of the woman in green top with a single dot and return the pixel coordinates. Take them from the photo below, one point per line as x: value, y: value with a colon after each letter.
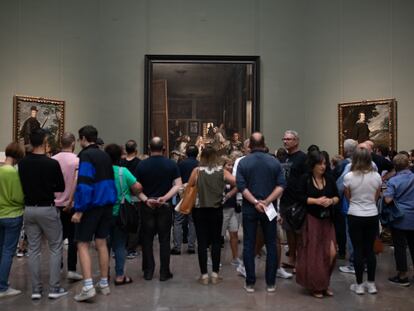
x: 118, y: 237
x: 208, y: 215
x: 11, y: 215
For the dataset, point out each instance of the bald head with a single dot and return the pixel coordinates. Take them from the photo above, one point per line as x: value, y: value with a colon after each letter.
x: 257, y: 141
x: 369, y: 145
x: 156, y: 144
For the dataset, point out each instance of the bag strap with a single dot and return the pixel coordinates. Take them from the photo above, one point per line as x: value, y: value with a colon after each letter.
x: 120, y: 173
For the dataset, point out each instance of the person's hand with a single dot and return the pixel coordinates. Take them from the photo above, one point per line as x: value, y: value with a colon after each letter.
x: 324, y: 201
x: 67, y: 208
x: 76, y: 218
x: 279, y: 220
x: 153, y: 203
x: 161, y: 200
x: 260, y: 207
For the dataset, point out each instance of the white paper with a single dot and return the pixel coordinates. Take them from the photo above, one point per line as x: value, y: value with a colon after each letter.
x: 270, y: 212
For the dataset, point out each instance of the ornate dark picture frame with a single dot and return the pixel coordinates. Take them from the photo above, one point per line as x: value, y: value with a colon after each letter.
x: 31, y: 112
x: 375, y: 120
x: 180, y: 101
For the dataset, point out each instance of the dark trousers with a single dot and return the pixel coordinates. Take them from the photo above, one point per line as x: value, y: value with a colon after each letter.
x: 135, y: 239
x: 156, y: 221
x: 340, y: 231
x: 251, y: 220
x: 208, y: 223
x: 402, y: 238
x: 68, y: 228
x: 363, y: 231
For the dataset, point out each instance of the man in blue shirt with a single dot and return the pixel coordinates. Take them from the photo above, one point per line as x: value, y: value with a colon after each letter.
x: 260, y: 179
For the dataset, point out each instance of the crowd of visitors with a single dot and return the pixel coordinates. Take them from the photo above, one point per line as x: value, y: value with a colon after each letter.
x: 326, y: 210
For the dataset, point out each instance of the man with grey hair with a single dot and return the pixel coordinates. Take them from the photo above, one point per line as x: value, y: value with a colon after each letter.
x: 294, y: 167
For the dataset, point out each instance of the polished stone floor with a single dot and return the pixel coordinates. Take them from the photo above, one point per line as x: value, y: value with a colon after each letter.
x: 184, y: 293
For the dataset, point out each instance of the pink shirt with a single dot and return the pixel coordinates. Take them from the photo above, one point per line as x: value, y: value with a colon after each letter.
x: 69, y: 163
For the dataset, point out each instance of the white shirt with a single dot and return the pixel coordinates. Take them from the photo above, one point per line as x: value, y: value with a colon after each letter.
x: 363, y: 188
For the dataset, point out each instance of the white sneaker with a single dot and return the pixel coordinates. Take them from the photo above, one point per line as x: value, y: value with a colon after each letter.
x: 57, y: 293
x: 371, y: 288
x: 74, y: 276
x: 249, y: 288
x: 10, y: 292
x: 241, y: 270
x: 347, y: 269
x: 36, y: 296
x: 358, y: 289
x: 85, y: 294
x: 236, y: 262
x: 104, y: 290
x: 283, y: 274
x: 271, y: 288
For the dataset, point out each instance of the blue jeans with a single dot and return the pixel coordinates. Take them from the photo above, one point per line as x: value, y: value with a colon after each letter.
x: 118, y: 240
x: 251, y: 218
x: 9, y: 236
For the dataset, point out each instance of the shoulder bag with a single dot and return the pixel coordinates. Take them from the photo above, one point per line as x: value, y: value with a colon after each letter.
x: 129, y: 218
x: 186, y: 204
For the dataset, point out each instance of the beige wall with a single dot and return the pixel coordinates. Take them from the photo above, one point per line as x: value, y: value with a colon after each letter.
x: 314, y: 54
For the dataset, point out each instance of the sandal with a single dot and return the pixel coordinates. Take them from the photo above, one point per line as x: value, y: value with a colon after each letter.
x: 317, y: 295
x: 125, y: 280
x: 328, y: 293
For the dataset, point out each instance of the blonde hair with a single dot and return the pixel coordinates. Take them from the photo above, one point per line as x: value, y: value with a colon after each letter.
x: 361, y: 161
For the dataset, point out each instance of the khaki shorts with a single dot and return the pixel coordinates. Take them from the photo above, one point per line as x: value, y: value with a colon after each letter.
x: 231, y: 220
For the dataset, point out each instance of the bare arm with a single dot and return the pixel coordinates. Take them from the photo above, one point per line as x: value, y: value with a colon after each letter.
x: 174, y: 189
x: 347, y: 193
x: 136, y: 189
x: 229, y: 178
x: 276, y: 193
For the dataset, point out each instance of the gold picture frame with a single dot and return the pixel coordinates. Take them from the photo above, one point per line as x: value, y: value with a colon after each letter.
x: 375, y: 120
x: 31, y: 112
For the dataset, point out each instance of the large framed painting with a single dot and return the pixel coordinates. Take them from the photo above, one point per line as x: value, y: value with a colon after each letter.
x: 203, y: 99
x: 374, y: 120
x: 30, y: 113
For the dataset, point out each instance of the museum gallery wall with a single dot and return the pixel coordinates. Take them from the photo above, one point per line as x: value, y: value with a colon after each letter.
x: 314, y: 55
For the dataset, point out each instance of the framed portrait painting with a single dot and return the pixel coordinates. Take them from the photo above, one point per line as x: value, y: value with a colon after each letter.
x: 30, y: 113
x: 195, y: 89
x: 374, y: 120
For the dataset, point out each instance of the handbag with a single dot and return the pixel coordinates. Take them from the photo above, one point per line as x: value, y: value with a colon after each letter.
x: 128, y: 219
x: 388, y: 213
x: 188, y: 200
x: 295, y: 215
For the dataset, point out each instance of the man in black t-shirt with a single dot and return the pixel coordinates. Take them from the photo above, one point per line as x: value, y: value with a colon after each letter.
x: 131, y: 162
x: 160, y: 179
x: 41, y: 177
x: 293, y: 168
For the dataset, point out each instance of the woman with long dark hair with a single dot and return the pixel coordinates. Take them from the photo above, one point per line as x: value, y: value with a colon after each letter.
x: 317, y: 248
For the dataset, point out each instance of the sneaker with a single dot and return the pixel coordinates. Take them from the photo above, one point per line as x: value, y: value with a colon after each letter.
x: 398, y: 281
x: 74, y: 276
x: 215, y: 278
x: 241, y: 270
x: 347, y: 269
x: 236, y: 262
x: 22, y: 253
x: 104, y: 290
x: 10, y: 292
x: 57, y: 293
x: 283, y: 274
x: 358, y: 289
x: 249, y: 288
x: 203, y: 279
x: 132, y: 255
x: 85, y: 294
x: 36, y: 296
x: 271, y: 288
x: 371, y: 288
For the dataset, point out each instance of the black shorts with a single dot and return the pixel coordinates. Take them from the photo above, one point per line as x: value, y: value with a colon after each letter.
x: 95, y: 224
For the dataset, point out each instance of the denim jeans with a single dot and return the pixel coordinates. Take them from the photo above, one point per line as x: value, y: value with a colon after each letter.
x: 118, y: 239
x: 251, y: 218
x: 178, y: 231
x: 9, y: 236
